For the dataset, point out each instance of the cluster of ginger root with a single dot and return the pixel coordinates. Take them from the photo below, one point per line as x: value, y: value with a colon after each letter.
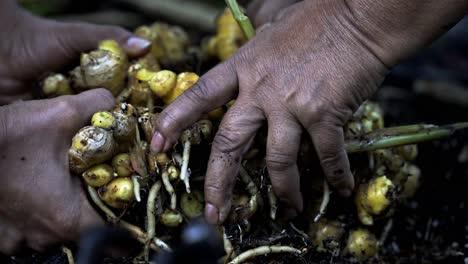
x: 128, y: 183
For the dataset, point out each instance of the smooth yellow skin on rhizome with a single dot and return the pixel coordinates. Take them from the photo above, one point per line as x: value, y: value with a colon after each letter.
x: 171, y: 218
x: 122, y: 165
x: 98, y: 175
x: 112, y: 46
x: 378, y: 193
x: 192, y: 204
x: 163, y: 82
x: 103, y: 119
x: 118, y: 193
x: 185, y: 80
x: 362, y: 244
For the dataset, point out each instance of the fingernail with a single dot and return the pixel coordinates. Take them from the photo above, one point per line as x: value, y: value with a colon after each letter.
x: 138, y: 43
x: 157, y: 143
x: 211, y: 214
x: 345, y: 192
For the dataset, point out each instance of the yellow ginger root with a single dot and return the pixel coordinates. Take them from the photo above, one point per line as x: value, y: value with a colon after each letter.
x: 104, y: 119
x: 171, y: 218
x: 122, y: 165
x: 184, y: 81
x: 98, y: 175
x: 192, y: 203
x: 229, y: 36
x: 118, y: 193
x: 56, y: 85
x: 125, y: 130
x: 91, y: 145
x: 326, y: 234
x: 105, y: 67
x: 361, y: 244
x: 374, y: 198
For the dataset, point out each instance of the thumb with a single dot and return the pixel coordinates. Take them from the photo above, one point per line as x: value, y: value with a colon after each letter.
x: 72, y: 39
x: 78, y: 109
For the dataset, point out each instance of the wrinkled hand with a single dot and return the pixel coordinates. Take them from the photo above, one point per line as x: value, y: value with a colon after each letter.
x: 306, y: 70
x: 264, y: 12
x: 40, y: 202
x: 32, y: 46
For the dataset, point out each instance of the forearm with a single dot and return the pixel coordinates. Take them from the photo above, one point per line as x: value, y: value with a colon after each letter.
x: 394, y: 29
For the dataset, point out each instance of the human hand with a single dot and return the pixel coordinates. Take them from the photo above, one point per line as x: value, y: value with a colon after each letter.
x: 263, y: 12
x: 32, y: 46
x: 40, y: 202
x: 309, y: 69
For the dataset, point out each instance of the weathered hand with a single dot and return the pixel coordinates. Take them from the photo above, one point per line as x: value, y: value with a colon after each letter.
x: 32, y: 46
x: 41, y: 204
x: 304, y: 71
x: 263, y: 12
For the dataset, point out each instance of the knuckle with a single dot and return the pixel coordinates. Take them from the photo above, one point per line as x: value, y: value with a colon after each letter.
x: 277, y: 160
x: 67, y: 108
x: 227, y: 141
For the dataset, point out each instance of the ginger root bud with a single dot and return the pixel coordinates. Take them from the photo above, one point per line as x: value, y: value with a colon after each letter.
x: 171, y: 218
x: 103, y: 119
x: 326, y: 235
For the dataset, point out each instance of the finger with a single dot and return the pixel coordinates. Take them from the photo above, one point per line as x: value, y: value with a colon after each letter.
x: 212, y: 90
x: 78, y: 109
x: 284, y: 138
x: 75, y: 38
x: 8, y: 99
x: 10, y: 238
x: 328, y: 141
x: 231, y: 141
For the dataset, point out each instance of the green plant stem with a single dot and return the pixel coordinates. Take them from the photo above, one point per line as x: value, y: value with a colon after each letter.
x: 403, y: 135
x: 242, y: 20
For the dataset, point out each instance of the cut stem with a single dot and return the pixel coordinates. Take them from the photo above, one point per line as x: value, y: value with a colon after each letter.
x: 264, y: 250
x: 243, y: 21
x: 403, y: 135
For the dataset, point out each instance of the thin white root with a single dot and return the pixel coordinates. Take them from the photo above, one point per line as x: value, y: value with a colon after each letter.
x: 169, y: 189
x: 273, y: 200
x: 134, y: 230
x: 228, y: 248
x: 263, y: 250
x: 325, y: 201
x: 300, y: 232
x: 95, y: 198
x: 142, y: 237
x: 69, y: 255
x: 255, y: 199
x: 136, y: 188
x: 151, y: 219
x: 184, y: 174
